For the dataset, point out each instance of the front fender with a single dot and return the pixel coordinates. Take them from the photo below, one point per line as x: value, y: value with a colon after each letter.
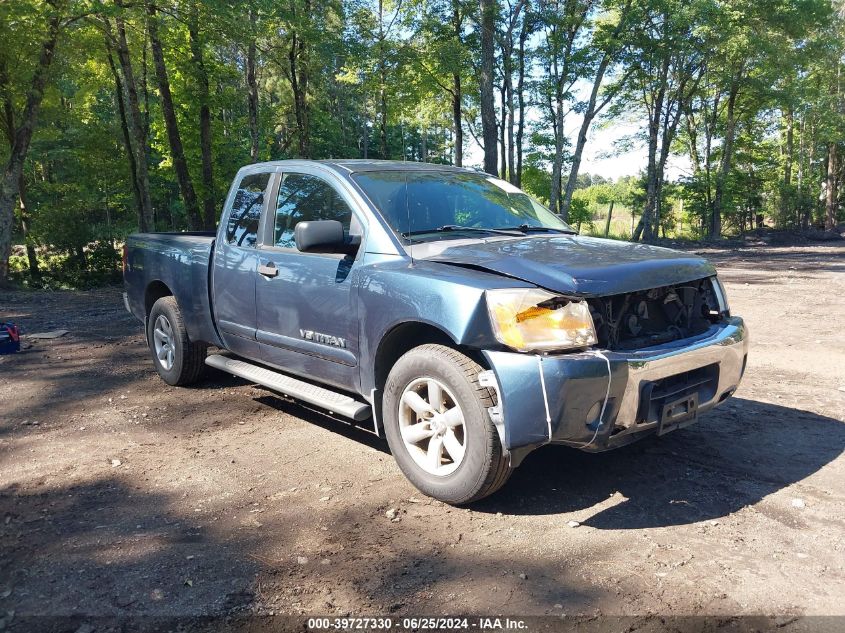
x: 395, y: 290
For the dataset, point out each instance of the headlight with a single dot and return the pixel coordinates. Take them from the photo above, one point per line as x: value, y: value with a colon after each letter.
x: 721, y: 296
x: 529, y: 319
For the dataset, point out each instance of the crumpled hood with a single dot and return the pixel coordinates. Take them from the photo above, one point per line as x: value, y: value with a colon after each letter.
x: 572, y: 264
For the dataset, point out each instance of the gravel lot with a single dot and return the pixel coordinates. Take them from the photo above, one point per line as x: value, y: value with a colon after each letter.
x: 121, y: 496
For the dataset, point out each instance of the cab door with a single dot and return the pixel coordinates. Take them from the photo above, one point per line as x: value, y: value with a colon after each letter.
x: 307, y: 319
x: 236, y: 263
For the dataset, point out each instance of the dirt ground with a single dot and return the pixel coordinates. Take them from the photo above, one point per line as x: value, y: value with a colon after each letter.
x: 121, y: 496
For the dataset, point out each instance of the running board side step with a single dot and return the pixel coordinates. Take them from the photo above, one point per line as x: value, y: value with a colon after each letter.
x: 312, y: 394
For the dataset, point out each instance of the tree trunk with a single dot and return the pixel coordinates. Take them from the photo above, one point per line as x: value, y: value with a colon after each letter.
x: 609, y: 215
x: 787, y: 166
x: 457, y: 126
x: 645, y: 227
x: 203, y: 96
x: 725, y: 163
x: 180, y: 165
x: 457, y: 94
x: 507, y: 105
x: 520, y: 130
x: 8, y: 108
x: 252, y: 88
x: 423, y: 145
x: 557, y: 163
x: 31, y: 255
x: 137, y: 136
x: 9, y: 129
x: 788, y: 149
x: 298, y: 85
x: 581, y: 142
x: 10, y: 184
x: 365, y: 138
x: 831, y: 183
x: 146, y: 94
x: 488, y: 106
x: 503, y: 163
x: 803, y: 217
x: 382, y: 74
x: 709, y: 132
x: 383, y: 111
x: 124, y: 125
x: 692, y: 133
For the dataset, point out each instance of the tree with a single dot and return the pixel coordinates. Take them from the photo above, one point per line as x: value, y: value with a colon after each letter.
x: 251, y: 83
x: 563, y: 63
x: 116, y: 35
x: 487, y: 11
x: 203, y: 96
x: 180, y: 165
x: 514, y: 17
x: 749, y: 92
x: 607, y: 44
x: 21, y: 136
x: 670, y: 59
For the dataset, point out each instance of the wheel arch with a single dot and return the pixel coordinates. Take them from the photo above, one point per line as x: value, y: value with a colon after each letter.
x: 401, y: 339
x: 154, y: 291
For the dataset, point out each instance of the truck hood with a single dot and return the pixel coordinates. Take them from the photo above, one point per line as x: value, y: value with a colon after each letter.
x: 571, y: 264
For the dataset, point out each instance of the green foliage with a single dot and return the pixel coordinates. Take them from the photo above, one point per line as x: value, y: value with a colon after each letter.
x: 355, y: 78
x: 95, y: 266
x: 579, y: 213
x: 536, y: 179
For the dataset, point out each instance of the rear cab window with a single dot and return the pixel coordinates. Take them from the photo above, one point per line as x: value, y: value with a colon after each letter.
x: 245, y: 214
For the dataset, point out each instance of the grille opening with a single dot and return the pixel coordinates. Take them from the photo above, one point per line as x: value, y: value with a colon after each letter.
x: 652, y: 317
x: 655, y: 394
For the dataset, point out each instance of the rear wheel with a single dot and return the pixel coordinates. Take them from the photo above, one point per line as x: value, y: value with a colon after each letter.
x: 178, y: 360
x: 438, y: 427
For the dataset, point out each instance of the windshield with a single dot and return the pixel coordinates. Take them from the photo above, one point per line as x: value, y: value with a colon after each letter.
x: 424, y: 205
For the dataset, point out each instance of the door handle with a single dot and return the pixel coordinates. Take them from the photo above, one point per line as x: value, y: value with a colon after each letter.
x: 269, y: 270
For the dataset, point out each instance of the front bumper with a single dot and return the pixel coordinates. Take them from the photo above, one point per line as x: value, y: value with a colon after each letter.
x: 555, y: 398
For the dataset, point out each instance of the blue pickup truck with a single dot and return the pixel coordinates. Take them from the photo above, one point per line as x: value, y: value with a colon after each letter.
x: 442, y: 307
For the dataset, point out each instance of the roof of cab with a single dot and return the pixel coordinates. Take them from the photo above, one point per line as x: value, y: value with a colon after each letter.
x: 354, y: 165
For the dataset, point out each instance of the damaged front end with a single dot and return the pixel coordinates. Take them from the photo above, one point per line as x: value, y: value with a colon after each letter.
x: 651, y: 317
x: 663, y: 356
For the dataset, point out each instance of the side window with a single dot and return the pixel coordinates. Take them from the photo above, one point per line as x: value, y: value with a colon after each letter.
x: 304, y: 198
x: 245, y: 214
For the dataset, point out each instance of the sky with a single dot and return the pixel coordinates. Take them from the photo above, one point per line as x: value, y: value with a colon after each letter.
x: 601, y: 157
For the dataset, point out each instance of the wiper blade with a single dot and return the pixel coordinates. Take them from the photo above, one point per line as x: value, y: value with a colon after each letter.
x: 528, y: 228
x: 460, y: 228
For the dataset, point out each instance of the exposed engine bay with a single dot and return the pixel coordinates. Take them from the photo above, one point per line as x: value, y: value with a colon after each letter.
x: 651, y: 317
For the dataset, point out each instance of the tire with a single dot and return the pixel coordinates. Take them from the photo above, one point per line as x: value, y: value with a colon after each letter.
x: 442, y: 377
x: 178, y: 360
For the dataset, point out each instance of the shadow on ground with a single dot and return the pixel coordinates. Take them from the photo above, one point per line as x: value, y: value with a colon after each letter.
x: 732, y: 458
x: 103, y: 547
x: 110, y: 555
x: 361, y: 432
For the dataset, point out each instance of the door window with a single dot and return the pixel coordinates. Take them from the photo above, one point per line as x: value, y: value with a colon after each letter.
x: 304, y: 198
x: 245, y: 215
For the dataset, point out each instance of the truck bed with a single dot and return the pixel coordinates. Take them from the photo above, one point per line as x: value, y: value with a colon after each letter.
x: 179, y: 262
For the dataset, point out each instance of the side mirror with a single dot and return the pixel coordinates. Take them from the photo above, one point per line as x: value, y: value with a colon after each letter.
x: 321, y: 236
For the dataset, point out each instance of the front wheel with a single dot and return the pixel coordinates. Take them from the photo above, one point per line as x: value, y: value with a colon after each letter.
x: 438, y: 428
x: 178, y: 360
